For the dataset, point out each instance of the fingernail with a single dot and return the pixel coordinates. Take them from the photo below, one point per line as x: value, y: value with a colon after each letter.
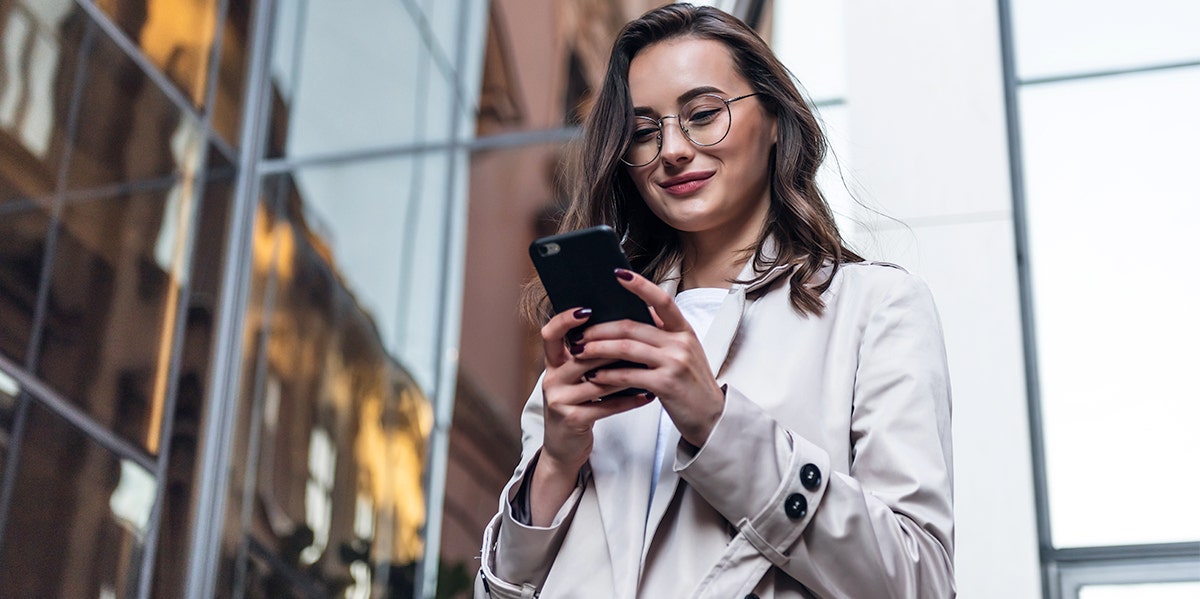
x: 649, y: 396
x: 623, y: 274
x: 576, y: 349
x: 574, y: 337
x: 589, y: 375
x: 582, y: 313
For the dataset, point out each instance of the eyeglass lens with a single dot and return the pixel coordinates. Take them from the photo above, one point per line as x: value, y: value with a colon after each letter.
x: 705, y: 120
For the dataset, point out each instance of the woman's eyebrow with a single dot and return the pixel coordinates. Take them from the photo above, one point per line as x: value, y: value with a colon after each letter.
x: 682, y: 99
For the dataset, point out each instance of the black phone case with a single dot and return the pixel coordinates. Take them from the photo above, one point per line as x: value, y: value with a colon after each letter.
x: 576, y: 269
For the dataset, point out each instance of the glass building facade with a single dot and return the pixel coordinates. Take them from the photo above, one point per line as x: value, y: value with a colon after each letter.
x: 230, y: 251
x: 260, y: 262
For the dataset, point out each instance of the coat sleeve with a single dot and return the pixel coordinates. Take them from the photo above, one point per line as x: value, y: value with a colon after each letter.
x: 884, y: 529
x: 516, y: 557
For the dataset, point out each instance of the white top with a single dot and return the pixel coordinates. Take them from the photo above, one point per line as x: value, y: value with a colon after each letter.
x: 699, y: 307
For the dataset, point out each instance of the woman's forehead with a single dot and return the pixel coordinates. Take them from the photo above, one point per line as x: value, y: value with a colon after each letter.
x: 663, y: 75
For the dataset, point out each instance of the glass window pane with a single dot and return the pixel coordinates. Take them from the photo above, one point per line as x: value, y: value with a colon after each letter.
x: 24, y: 226
x: 78, y: 519
x: 1161, y: 590
x: 231, y: 72
x: 343, y: 78
x: 1057, y: 37
x: 9, y: 391
x: 809, y: 37
x: 195, y: 354
x: 127, y: 129
x: 339, y: 425
x: 1112, y: 209
x: 176, y: 37
x: 32, y: 115
x: 114, y: 291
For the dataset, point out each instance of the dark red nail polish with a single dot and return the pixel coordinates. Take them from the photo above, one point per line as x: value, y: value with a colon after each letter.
x: 624, y: 275
x: 576, y: 349
x: 582, y: 313
x: 589, y: 375
x: 575, y: 337
x: 649, y: 396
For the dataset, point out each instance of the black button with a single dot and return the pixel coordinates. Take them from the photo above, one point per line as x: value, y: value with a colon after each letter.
x: 810, y: 476
x: 796, y: 506
x: 751, y: 596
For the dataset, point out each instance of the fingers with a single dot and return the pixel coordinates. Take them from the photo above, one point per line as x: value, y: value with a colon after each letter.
x: 556, y: 330
x: 663, y: 304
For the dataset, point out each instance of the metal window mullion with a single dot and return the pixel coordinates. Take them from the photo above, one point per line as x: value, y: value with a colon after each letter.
x: 253, y: 452
x: 1105, y: 73
x: 1074, y: 576
x: 1050, y: 589
x: 64, y: 408
x: 501, y: 141
x: 449, y: 322
x: 226, y: 354
x: 182, y: 307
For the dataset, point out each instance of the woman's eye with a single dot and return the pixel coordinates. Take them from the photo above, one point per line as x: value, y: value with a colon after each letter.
x: 704, y: 116
x: 643, y: 135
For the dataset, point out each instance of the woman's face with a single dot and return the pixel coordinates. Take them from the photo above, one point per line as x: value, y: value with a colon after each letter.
x: 722, y: 188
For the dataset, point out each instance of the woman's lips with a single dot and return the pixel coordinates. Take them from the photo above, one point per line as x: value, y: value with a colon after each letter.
x: 685, y: 184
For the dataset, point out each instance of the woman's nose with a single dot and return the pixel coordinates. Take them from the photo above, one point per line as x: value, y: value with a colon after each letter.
x: 675, y: 145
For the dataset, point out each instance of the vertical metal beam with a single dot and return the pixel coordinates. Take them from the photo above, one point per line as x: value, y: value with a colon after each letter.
x: 224, y: 381
x: 167, y: 425
x: 1025, y: 286
x: 449, y: 319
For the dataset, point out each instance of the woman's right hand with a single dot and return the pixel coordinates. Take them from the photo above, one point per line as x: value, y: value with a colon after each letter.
x: 571, y: 408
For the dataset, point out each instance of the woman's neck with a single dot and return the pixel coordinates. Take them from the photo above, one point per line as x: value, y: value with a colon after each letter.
x: 715, y: 260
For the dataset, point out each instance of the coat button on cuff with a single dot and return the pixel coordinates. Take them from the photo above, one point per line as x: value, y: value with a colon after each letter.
x: 810, y: 476
x: 796, y: 506
x: 751, y: 596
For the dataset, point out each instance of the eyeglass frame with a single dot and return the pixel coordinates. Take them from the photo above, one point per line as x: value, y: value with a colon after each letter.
x: 659, y: 123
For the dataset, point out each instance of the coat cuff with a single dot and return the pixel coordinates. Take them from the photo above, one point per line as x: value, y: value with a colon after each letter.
x: 525, y: 552
x: 757, y: 475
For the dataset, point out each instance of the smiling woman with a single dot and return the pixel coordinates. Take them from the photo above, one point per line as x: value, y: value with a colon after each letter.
x: 794, y: 439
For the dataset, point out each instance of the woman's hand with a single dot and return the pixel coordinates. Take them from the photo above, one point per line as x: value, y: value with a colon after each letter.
x: 571, y: 408
x: 676, y: 370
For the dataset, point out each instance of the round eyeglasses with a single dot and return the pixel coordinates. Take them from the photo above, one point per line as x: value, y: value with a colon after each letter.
x: 705, y: 120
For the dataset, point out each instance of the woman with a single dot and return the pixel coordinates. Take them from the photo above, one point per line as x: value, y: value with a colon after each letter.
x: 794, y: 440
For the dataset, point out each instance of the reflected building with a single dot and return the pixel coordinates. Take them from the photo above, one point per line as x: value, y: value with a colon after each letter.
x: 254, y: 340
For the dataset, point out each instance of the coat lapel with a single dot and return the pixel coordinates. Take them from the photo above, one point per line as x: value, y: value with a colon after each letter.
x: 623, y: 455
x: 621, y: 461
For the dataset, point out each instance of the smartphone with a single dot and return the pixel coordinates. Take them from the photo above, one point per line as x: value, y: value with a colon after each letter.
x: 577, y: 271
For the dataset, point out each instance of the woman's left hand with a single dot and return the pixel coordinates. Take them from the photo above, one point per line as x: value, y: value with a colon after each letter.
x: 676, y: 370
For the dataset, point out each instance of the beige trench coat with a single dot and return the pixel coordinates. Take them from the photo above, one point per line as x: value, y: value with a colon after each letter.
x: 828, y: 474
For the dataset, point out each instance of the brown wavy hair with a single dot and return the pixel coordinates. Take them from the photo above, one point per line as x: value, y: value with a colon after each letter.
x: 601, y: 191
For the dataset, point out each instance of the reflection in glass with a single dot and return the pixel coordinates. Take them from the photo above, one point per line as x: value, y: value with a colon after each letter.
x: 175, y: 35
x: 1062, y: 37
x: 127, y: 131
x: 30, y: 118
x: 93, y: 505
x: 8, y: 407
x: 1112, y: 209
x: 23, y: 230
x: 1162, y: 590
x: 334, y: 498
x: 112, y: 304
x: 346, y: 76
x: 194, y: 359
x: 231, y: 74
